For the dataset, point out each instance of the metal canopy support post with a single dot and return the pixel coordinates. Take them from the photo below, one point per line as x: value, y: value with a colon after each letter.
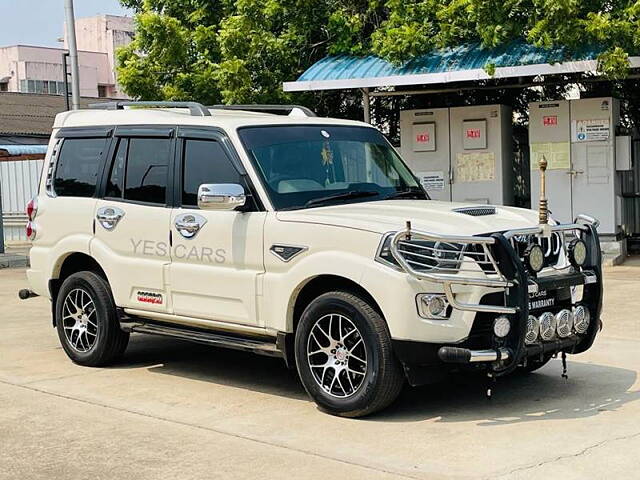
x: 73, y: 53
x: 65, y: 75
x: 366, y: 105
x: 1, y: 223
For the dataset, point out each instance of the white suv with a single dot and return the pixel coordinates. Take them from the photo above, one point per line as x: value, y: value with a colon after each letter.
x: 295, y: 236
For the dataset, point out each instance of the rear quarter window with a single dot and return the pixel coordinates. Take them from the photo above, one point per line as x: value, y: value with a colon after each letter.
x: 78, y: 167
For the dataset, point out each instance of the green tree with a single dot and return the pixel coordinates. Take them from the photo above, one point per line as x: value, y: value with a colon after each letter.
x: 416, y: 26
x: 240, y: 51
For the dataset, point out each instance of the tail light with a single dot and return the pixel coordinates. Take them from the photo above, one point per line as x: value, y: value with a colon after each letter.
x: 32, y: 208
x: 31, y: 230
x: 32, y: 211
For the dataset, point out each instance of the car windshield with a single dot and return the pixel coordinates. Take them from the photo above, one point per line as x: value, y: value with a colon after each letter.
x: 311, y: 166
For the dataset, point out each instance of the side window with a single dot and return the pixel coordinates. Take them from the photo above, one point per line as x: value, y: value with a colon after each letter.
x: 78, y: 166
x: 147, y: 165
x: 115, y: 186
x: 205, y: 162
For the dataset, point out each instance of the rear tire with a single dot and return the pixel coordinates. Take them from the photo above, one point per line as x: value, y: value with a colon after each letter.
x: 344, y: 356
x: 87, y: 321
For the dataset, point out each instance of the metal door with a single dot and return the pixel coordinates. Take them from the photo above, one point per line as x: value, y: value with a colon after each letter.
x: 549, y: 135
x: 426, y: 149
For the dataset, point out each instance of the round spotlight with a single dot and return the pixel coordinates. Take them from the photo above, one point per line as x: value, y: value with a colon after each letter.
x: 581, y: 318
x: 564, y: 323
x: 501, y: 327
x: 533, y: 329
x: 547, y: 326
x: 534, y: 258
x: 577, y: 252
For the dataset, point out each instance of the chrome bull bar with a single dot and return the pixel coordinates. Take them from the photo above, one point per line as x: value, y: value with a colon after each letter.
x: 494, y: 278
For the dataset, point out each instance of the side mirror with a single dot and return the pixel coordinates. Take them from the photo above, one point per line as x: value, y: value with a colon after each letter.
x: 221, y: 196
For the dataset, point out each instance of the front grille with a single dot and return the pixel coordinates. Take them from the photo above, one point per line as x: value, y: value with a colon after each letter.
x: 447, y: 258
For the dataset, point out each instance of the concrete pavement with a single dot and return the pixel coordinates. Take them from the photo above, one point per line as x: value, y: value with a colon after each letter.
x: 178, y: 410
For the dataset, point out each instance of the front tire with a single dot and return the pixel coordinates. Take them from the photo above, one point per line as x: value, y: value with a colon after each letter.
x: 344, y: 356
x: 87, y: 321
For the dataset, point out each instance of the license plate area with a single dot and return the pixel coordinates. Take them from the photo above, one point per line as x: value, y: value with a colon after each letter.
x: 550, y: 300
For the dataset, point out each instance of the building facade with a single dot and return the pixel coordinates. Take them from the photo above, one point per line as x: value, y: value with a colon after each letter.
x: 33, y: 69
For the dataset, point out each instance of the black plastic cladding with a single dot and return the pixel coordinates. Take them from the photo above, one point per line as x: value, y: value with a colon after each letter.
x: 592, y: 293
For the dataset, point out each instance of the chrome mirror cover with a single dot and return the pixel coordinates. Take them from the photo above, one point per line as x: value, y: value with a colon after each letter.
x: 221, y: 196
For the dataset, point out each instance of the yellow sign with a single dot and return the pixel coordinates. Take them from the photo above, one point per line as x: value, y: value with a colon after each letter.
x: 475, y: 167
x: 556, y: 153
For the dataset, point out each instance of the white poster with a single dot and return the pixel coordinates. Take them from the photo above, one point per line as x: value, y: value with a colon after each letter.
x: 432, y: 181
x: 591, y: 130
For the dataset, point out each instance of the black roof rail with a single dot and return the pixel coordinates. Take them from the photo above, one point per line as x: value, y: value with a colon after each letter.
x: 265, y: 108
x: 196, y: 109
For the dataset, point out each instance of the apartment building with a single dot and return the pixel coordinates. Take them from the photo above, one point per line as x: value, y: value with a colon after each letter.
x: 34, y: 69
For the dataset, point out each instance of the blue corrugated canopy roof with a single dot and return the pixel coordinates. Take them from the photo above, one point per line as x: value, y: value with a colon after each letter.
x: 461, y: 63
x: 15, y: 150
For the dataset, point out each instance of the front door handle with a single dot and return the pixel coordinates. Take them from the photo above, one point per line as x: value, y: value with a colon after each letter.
x: 189, y: 224
x: 109, y: 217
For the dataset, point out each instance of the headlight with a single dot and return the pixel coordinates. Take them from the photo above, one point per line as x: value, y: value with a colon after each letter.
x: 443, y: 257
x: 577, y: 252
x: 384, y: 251
x: 534, y: 258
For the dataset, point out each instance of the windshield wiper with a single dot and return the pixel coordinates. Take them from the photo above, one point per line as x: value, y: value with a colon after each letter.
x: 342, y: 196
x: 408, y: 193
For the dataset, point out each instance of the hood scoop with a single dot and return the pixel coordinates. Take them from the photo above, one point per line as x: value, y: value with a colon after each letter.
x: 476, y: 211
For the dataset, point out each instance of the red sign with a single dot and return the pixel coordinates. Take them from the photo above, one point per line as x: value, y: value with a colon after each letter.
x: 473, y: 133
x: 422, y: 137
x: 550, y: 121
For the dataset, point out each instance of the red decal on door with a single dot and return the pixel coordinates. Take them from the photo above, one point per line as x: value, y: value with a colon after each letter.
x: 149, y: 297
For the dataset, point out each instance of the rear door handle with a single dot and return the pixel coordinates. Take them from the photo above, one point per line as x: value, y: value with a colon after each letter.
x: 189, y: 224
x: 109, y: 217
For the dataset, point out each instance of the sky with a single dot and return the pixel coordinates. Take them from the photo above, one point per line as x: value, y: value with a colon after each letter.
x: 40, y: 22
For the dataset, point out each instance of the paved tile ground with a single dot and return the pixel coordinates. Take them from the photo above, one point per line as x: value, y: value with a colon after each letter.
x: 179, y: 411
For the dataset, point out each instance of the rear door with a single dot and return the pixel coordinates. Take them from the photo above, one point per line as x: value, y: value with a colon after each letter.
x: 71, y: 186
x: 132, y: 217
x: 214, y: 272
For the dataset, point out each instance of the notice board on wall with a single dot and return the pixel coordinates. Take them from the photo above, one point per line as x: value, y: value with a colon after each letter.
x: 475, y: 167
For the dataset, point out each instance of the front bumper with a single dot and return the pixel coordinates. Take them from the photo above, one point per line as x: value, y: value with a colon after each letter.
x: 514, y: 284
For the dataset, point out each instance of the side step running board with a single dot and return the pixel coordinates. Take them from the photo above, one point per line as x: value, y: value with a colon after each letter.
x: 262, y: 347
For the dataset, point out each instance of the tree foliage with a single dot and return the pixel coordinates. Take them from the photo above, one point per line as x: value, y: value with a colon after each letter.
x: 240, y: 51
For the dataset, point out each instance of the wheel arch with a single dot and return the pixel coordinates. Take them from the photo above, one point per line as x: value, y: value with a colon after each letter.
x: 315, y: 286
x: 66, y: 266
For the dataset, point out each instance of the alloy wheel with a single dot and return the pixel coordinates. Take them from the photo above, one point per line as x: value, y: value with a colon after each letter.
x: 337, y: 355
x: 79, y: 320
